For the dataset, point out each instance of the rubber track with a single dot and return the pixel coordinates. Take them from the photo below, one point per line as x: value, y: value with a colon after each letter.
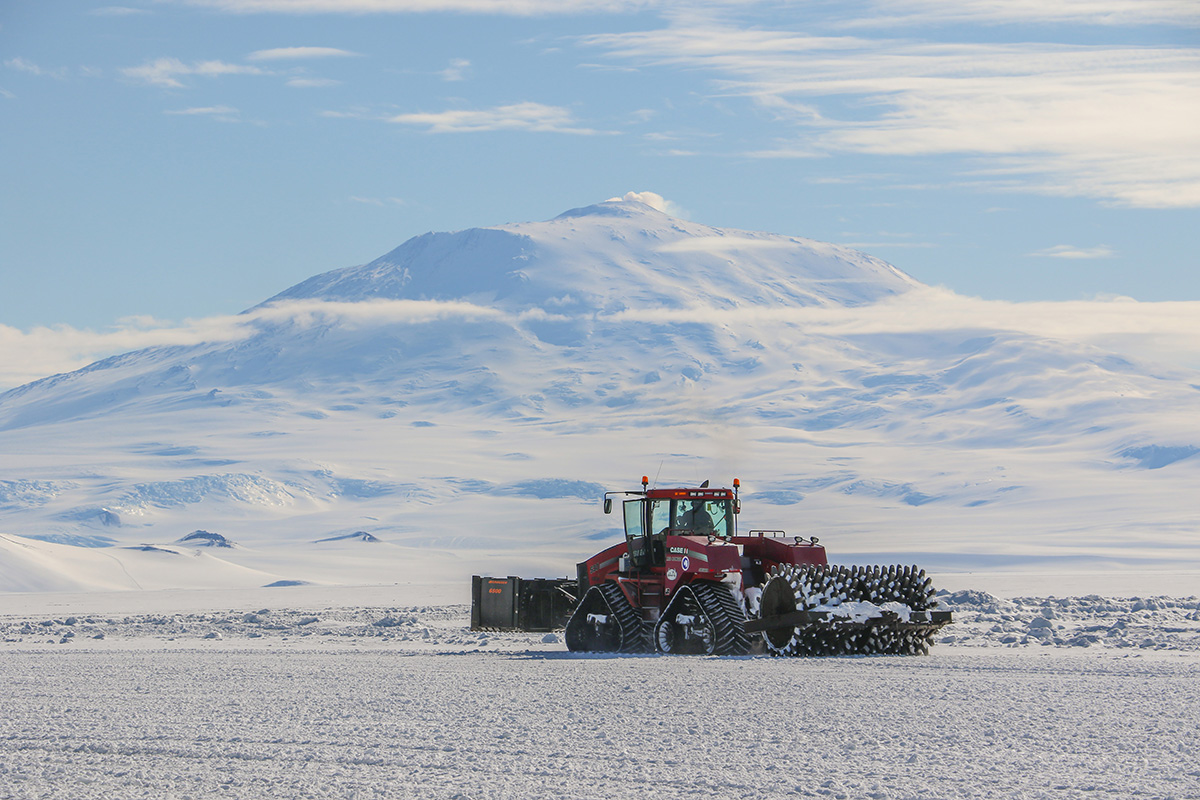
x: 725, y: 612
x: 635, y: 638
x: 715, y: 603
x: 634, y: 634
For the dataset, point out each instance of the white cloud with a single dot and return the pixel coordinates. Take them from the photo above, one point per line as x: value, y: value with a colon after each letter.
x: 655, y: 201
x: 786, y: 152
x: 893, y: 244
x: 29, y: 355
x: 295, y: 53
x: 312, y: 83
x: 219, y: 111
x: 457, y: 71
x: 516, y: 117
x: 1072, y: 252
x: 166, y: 72
x: 721, y: 244
x: 1115, y: 123
x: 876, y: 13
x: 117, y: 11
x: 513, y: 7
x: 374, y: 311
x: 378, y: 201
x: 1165, y: 332
x: 25, y: 65
x: 1094, y: 12
x: 652, y: 199
x: 358, y: 113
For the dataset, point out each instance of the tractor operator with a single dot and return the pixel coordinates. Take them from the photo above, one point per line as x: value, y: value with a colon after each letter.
x: 697, y: 519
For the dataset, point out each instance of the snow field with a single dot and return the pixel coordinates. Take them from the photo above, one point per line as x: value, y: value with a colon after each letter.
x: 1150, y: 623
x: 980, y: 620
x: 317, y: 723
x: 443, y: 628
x: 405, y: 701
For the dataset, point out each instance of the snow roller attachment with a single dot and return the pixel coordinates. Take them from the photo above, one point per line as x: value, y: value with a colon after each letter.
x: 827, y: 610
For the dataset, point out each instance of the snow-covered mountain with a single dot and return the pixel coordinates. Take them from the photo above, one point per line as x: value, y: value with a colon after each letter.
x: 610, y: 257
x: 467, y: 397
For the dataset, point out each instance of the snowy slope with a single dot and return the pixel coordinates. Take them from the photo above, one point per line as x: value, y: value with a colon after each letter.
x: 31, y: 565
x: 467, y: 397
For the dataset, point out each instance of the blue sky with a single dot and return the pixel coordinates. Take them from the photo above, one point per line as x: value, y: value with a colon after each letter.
x: 169, y: 160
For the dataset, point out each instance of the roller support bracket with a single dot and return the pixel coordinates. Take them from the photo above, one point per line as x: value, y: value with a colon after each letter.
x: 888, y: 619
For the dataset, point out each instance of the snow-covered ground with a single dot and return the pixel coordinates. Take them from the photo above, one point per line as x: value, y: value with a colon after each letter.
x: 324, y: 618
x: 1032, y: 698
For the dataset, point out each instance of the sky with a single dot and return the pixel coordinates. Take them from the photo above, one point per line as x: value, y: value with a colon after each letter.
x: 168, y: 162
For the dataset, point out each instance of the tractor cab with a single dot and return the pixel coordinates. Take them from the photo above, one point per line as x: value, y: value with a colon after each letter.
x: 659, y: 513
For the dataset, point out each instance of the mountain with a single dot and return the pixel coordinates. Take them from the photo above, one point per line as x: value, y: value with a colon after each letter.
x: 472, y: 394
x: 610, y: 257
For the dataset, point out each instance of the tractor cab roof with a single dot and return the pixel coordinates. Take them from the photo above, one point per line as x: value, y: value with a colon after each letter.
x: 689, y: 494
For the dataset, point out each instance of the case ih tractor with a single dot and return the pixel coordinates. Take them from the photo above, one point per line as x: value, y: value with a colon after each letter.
x: 685, y: 580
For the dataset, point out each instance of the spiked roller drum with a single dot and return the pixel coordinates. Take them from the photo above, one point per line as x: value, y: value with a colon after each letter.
x: 844, y: 610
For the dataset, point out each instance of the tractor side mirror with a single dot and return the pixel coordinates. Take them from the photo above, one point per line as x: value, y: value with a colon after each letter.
x: 608, y: 505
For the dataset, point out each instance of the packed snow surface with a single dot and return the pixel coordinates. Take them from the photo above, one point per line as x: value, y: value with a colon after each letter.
x: 396, y: 701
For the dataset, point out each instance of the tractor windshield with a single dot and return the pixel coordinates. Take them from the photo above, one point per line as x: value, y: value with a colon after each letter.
x: 692, y: 517
x: 722, y: 520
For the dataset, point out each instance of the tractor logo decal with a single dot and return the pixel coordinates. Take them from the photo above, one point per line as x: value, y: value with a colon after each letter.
x: 602, y: 565
x: 686, y: 552
x: 672, y: 574
x: 685, y: 563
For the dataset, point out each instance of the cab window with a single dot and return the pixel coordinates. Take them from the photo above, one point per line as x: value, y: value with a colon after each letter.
x: 660, y: 515
x: 633, y: 519
x: 703, y: 517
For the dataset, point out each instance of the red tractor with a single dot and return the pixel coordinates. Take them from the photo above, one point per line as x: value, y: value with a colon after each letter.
x: 685, y: 581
